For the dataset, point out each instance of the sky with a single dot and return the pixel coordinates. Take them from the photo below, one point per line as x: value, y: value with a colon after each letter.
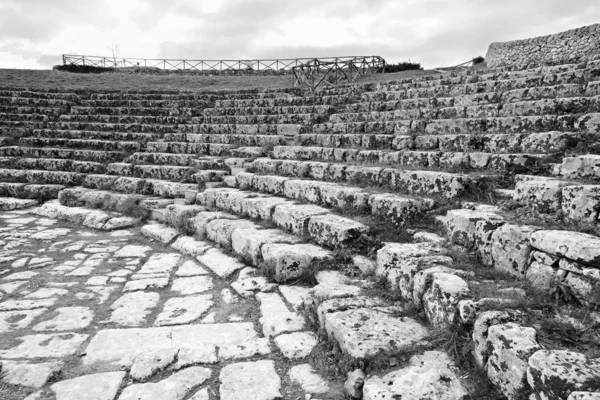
x: 436, y: 33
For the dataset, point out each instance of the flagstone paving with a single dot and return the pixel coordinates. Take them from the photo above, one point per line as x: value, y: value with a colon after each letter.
x: 88, y: 314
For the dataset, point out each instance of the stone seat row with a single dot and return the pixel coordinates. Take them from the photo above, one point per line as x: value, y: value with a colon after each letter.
x: 305, y: 221
x: 321, y: 110
x: 575, y: 200
x: 537, y: 142
x: 309, y: 100
x: 37, y: 94
x: 472, y: 84
x: 503, y: 73
x: 394, y: 209
x: 48, y: 111
x: 420, y: 159
x: 34, y: 102
x: 40, y: 192
x: 53, y: 164
x: 64, y: 153
x: 487, y: 97
x: 507, y: 91
x: 91, y: 126
x: 557, y: 106
x: 129, y: 119
x: 182, y: 112
x: 140, y: 137
x: 100, y: 145
x: 532, y: 253
x: 178, y: 173
x: 522, y: 124
x: 477, y: 99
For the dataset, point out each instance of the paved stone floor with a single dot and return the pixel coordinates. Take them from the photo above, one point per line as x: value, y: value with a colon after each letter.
x: 86, y: 314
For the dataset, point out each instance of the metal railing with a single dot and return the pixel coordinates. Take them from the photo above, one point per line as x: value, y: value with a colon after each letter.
x: 205, y: 66
x: 336, y: 70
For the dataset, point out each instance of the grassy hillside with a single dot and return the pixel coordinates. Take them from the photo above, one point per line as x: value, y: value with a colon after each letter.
x: 115, y: 81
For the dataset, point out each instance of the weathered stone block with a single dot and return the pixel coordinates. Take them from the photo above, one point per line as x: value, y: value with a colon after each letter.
x: 247, y: 242
x: 335, y: 231
x: 577, y: 246
x: 554, y: 374
x: 581, y: 203
x: 485, y: 320
x: 290, y: 261
x: 511, y: 248
x: 441, y: 299
x: 511, y: 346
x: 431, y: 375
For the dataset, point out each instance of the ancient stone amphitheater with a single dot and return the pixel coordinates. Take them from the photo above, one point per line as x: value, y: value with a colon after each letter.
x: 428, y: 238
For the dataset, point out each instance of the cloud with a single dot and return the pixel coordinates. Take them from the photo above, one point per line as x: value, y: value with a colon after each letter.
x: 433, y: 32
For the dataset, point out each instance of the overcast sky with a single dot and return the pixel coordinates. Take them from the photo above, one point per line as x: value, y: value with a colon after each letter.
x: 34, y: 33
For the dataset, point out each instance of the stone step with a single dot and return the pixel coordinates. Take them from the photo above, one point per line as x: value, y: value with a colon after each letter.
x: 126, y: 119
x: 284, y: 102
x: 276, y: 110
x: 559, y: 106
x: 132, y: 185
x: 394, y: 209
x: 16, y: 109
x: 24, y: 125
x: 96, y: 135
x: 100, y: 145
x: 524, y: 124
x: 473, y: 94
x: 11, y: 203
x: 244, y: 129
x: 181, y: 112
x: 53, y: 164
x: 81, y: 155
x: 413, y: 182
x: 236, y: 140
x: 204, y: 177
x: 34, y: 102
x: 163, y: 158
x: 96, y: 219
x: 211, y: 149
x: 132, y: 204
x: 532, y: 253
x: 160, y: 172
x: 111, y: 127
x: 346, y: 145
x: 39, y: 94
x: 23, y: 117
x: 316, y: 223
x: 171, y: 103
x: 492, y: 82
x: 293, y: 159
x: 41, y: 176
x: 575, y: 201
x: 29, y: 191
x: 305, y: 120
x: 282, y: 254
x: 593, y: 89
x: 579, y: 167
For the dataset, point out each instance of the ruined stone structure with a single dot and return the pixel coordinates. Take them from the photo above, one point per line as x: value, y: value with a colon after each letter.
x: 244, y: 193
x: 575, y: 45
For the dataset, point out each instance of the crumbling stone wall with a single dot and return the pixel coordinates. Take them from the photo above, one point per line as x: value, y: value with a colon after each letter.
x: 579, y: 44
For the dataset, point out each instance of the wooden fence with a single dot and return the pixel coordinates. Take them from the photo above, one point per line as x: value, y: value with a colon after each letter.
x: 333, y: 71
x: 283, y: 66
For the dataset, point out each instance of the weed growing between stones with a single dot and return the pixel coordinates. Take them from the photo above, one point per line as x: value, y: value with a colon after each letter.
x: 532, y: 215
x: 457, y: 342
x: 13, y: 392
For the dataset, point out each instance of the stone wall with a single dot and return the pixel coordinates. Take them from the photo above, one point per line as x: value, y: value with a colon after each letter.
x: 579, y: 44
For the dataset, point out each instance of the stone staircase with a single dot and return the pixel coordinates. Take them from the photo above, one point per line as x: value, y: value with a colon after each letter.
x: 454, y: 205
